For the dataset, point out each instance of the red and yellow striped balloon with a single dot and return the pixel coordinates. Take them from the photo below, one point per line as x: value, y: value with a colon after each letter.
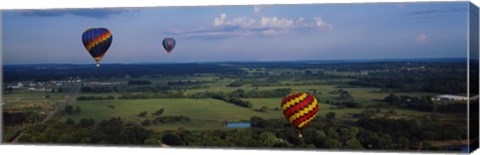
x: 300, y: 109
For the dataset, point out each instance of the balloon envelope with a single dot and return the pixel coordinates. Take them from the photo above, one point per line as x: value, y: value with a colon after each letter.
x: 168, y: 44
x: 299, y: 109
x: 97, y: 41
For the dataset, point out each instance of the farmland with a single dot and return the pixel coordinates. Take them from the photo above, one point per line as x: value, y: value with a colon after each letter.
x: 193, y: 100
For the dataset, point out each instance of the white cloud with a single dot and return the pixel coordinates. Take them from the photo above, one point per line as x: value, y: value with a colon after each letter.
x: 220, y: 20
x: 266, y: 26
x: 320, y: 23
x: 273, y: 32
x: 243, y: 22
x: 257, y: 9
x: 316, y: 22
x: 272, y: 22
x: 275, y: 22
x: 301, y: 21
x: 219, y: 34
x: 421, y: 38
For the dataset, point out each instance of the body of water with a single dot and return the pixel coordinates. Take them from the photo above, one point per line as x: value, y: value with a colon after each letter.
x: 238, y: 125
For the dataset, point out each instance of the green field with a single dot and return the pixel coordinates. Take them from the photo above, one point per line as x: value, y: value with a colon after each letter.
x: 21, y: 99
x: 204, y: 113
x: 211, y: 113
x: 346, y: 113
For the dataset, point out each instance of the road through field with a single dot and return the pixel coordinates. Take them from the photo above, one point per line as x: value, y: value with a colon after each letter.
x: 71, y: 97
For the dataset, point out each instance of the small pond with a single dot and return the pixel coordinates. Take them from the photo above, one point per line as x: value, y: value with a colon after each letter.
x: 238, y: 125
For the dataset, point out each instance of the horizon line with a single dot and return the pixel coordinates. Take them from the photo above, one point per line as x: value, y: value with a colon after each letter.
x: 249, y: 61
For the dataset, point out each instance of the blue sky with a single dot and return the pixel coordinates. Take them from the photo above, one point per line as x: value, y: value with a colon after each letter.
x: 241, y: 33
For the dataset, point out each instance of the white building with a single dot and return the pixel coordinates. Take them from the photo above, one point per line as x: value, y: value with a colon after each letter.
x: 450, y: 98
x: 19, y: 85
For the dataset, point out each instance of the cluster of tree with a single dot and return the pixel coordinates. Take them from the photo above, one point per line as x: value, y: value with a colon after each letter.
x: 185, y: 83
x: 262, y: 109
x: 166, y: 94
x: 338, y: 91
x: 281, y: 92
x: 113, y: 131
x: 8, y: 89
x: 256, y: 82
x: 169, y: 95
x: 62, y: 71
x: 346, y: 104
x: 86, y: 98
x: 69, y: 109
x: 133, y: 89
x: 426, y: 131
x: 237, y: 83
x: 448, y: 85
x: 158, y: 88
x: 233, y: 100
x: 183, y: 88
x: 453, y: 107
x: 162, y: 119
x: 342, y: 95
x: 146, y: 88
x: 439, y: 78
x: 344, y: 100
x: 98, y: 89
x: 57, y: 90
x: 13, y: 118
x: 139, y: 82
x: 370, y: 133
x: 330, y: 115
x: 82, y: 123
x: 378, y: 133
x: 259, y: 122
x: 142, y: 114
x: 134, y: 96
x: 158, y: 112
x: 170, y: 119
x: 368, y: 112
x: 233, y: 97
x: 321, y: 133
x: 240, y: 93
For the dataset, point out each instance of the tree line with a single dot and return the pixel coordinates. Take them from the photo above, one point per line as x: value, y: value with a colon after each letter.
x: 87, y: 98
x: 322, y: 132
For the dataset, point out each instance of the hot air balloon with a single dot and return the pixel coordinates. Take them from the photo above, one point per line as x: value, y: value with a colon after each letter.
x: 97, y: 41
x: 168, y: 44
x: 299, y: 109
